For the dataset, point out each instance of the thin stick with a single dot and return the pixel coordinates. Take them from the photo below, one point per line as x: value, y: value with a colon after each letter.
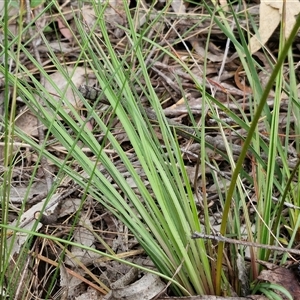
x: 221, y: 238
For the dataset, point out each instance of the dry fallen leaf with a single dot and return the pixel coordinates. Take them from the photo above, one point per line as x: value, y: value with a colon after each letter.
x: 28, y: 221
x: 145, y: 288
x: 270, y: 14
x: 292, y: 9
x: 82, y: 235
x: 115, y: 16
x: 90, y: 294
x: 64, y: 30
x: 18, y: 193
x: 281, y: 276
x: 178, y: 6
x: 59, y: 80
x: 27, y: 122
x: 69, y: 206
x: 224, y: 5
x: 88, y: 15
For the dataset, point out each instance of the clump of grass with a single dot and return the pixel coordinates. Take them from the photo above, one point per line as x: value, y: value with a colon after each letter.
x: 162, y: 215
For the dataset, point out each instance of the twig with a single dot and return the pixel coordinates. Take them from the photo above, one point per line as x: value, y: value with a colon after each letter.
x: 221, y: 238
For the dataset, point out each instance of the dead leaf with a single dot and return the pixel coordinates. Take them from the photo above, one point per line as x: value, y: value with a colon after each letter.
x: 178, y: 6
x: 292, y: 9
x: 27, y: 222
x: 146, y: 288
x: 200, y: 50
x: 18, y: 193
x: 90, y: 294
x: 281, y: 276
x: 64, y: 30
x: 115, y: 16
x: 78, y: 78
x: 71, y: 283
x: 270, y: 14
x: 269, y: 19
x: 88, y: 15
x: 224, y: 5
x: 69, y: 206
x: 27, y: 122
x: 83, y: 235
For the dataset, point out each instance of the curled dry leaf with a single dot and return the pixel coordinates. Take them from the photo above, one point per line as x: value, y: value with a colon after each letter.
x: 146, y: 288
x: 281, y: 276
x: 88, y: 15
x: 27, y: 122
x: 71, y: 283
x: 64, y: 29
x: 28, y: 220
x: 178, y: 6
x: 115, y: 16
x: 90, y: 294
x: 270, y: 14
x: 83, y: 236
x: 69, y: 206
x: 59, y: 80
x: 18, y: 193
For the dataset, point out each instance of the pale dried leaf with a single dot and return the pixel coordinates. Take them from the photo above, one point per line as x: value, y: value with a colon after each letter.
x: 27, y: 222
x: 71, y: 282
x: 146, y: 288
x: 269, y: 19
x: 270, y: 15
x: 18, y: 193
x: 27, y: 122
x: 69, y: 206
x: 90, y: 294
x: 224, y: 5
x: 178, y: 6
x: 292, y: 9
x: 83, y: 235
x: 78, y: 78
x: 88, y: 15
x: 64, y: 30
